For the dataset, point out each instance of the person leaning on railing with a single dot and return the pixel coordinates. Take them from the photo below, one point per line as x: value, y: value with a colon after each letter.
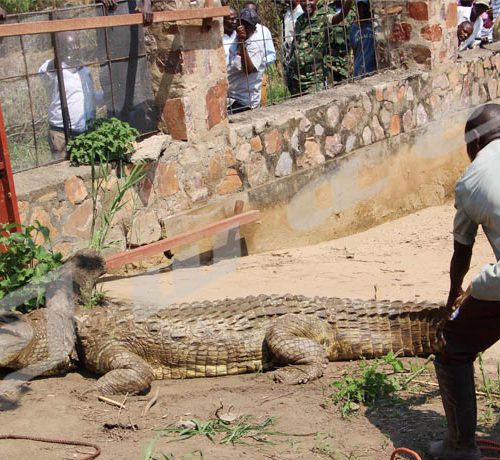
x: 311, y: 62
x: 245, y: 71
x: 362, y: 40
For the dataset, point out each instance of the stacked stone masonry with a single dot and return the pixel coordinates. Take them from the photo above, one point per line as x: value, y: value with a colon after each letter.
x: 265, y: 146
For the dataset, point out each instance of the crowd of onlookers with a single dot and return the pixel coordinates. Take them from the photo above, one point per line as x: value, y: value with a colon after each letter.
x: 316, y: 42
x: 478, y: 23
x: 322, y: 42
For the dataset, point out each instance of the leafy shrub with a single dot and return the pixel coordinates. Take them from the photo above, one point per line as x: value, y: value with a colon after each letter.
x: 23, y: 261
x: 109, y: 139
x: 367, y: 384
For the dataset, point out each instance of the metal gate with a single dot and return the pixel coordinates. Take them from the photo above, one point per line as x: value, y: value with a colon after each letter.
x: 9, y: 212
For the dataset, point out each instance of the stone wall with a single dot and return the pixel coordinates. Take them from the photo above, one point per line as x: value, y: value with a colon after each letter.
x: 317, y: 167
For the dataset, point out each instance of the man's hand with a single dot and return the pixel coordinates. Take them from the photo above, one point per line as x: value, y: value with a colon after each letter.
x: 242, y: 33
x: 110, y: 4
x: 455, y: 300
x: 3, y: 14
x: 147, y: 12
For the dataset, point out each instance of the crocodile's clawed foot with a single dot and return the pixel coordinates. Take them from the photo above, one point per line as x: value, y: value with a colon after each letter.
x: 296, y: 375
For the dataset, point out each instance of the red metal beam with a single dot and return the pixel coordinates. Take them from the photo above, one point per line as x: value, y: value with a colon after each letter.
x: 126, y: 257
x: 100, y: 22
x: 9, y: 212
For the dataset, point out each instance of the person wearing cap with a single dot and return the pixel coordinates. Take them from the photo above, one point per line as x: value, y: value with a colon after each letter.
x: 362, y: 40
x: 479, y: 7
x: 263, y: 36
x: 312, y: 64
x: 247, y: 68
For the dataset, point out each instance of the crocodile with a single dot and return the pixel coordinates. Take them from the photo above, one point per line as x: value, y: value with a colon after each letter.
x: 129, y: 346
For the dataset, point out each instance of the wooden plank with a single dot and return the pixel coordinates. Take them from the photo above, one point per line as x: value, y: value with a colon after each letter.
x: 152, y: 249
x: 100, y: 22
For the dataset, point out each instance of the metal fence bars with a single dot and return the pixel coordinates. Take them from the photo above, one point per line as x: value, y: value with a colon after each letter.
x: 52, y: 86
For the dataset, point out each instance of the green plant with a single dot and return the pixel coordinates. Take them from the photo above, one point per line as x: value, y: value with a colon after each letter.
x: 18, y: 6
x: 108, y: 139
x: 225, y: 432
x: 26, y: 261
x: 102, y: 219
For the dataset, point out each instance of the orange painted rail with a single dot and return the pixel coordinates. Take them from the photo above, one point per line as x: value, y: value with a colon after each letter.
x: 99, y: 22
x: 118, y: 260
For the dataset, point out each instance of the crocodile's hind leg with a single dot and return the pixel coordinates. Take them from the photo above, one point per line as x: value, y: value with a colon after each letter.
x: 126, y: 373
x: 300, y: 342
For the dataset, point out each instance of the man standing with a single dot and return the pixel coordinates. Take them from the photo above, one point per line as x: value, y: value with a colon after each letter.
x: 362, y: 40
x: 81, y: 96
x: 312, y: 61
x: 475, y: 324
x: 245, y: 71
x: 229, y: 40
x: 263, y: 36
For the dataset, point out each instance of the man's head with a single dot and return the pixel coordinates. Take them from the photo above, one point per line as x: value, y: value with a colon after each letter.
x: 230, y: 22
x: 251, y: 5
x: 363, y: 7
x: 249, y: 19
x: 294, y: 3
x: 308, y: 6
x: 482, y: 127
x: 69, y: 48
x: 464, y: 31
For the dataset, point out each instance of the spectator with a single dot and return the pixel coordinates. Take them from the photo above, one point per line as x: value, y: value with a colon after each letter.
x: 247, y: 68
x: 289, y: 20
x: 3, y: 14
x: 464, y: 31
x: 479, y: 7
x: 81, y: 96
x: 310, y: 63
x: 362, y: 40
x: 230, y: 44
x: 486, y: 34
x: 263, y: 36
x: 338, y: 38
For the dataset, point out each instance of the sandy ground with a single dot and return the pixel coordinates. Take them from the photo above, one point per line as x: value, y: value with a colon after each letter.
x: 405, y: 259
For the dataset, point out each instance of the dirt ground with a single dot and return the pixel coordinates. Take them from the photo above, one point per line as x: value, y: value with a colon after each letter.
x: 405, y: 259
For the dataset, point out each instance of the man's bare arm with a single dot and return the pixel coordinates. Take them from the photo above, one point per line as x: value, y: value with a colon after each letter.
x: 459, y: 266
x: 340, y: 16
x: 147, y: 12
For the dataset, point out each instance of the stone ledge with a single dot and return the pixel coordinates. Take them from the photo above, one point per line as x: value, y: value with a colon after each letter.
x: 33, y: 183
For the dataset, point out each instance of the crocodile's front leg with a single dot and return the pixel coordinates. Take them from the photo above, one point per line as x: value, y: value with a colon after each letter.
x: 126, y: 372
x: 302, y: 342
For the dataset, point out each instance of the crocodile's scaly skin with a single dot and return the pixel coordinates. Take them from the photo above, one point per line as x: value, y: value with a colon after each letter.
x: 131, y: 346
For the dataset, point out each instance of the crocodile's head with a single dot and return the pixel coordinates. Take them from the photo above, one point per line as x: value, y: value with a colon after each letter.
x: 15, y: 336
x: 86, y: 266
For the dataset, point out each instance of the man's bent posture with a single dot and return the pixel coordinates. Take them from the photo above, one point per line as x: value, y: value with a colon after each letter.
x: 475, y: 325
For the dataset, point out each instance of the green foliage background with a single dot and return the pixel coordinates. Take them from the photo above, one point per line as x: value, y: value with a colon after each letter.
x: 25, y: 261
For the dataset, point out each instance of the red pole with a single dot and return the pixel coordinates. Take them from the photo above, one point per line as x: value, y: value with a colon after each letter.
x: 9, y: 212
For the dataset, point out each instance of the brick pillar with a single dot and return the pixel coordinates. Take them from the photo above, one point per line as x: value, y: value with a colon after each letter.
x: 418, y: 33
x: 189, y: 75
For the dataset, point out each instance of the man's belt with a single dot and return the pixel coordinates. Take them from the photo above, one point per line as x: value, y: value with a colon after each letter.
x: 61, y: 130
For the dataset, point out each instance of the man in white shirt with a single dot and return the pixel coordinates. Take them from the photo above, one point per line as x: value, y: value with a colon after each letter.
x: 293, y: 13
x: 229, y: 39
x: 247, y: 68
x: 479, y: 7
x: 81, y: 96
x: 263, y: 37
x: 463, y: 11
x: 475, y: 325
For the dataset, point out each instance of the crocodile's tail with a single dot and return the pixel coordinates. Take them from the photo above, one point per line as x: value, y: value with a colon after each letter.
x: 372, y: 329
